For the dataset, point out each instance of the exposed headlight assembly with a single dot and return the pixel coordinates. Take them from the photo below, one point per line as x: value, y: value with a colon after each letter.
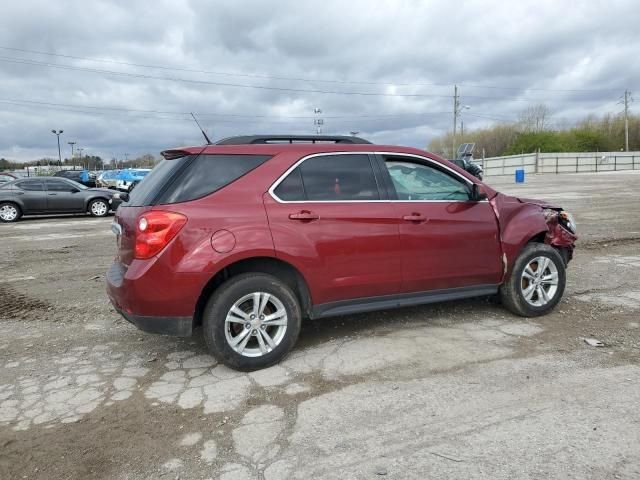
x: 567, y: 221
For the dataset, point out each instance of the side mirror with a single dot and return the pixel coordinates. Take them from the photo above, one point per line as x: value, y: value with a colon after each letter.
x: 477, y: 193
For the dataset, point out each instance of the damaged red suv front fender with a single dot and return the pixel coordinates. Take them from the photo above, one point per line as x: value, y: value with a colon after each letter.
x: 521, y: 220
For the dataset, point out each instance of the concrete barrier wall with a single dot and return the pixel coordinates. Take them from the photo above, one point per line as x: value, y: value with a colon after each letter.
x: 578, y: 162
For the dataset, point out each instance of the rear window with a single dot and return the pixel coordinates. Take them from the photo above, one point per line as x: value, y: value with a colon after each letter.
x: 192, y: 177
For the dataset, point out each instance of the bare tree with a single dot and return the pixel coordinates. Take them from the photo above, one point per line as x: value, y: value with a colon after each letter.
x: 535, y: 118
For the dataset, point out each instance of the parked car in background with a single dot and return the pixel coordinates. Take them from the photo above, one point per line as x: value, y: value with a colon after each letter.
x: 464, y: 160
x: 46, y: 195
x: 126, y: 178
x: 249, y: 236
x: 469, y: 166
x: 7, y: 177
x: 108, y: 179
x: 80, y: 176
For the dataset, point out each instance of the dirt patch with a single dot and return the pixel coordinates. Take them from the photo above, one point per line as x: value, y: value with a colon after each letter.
x: 97, y: 446
x: 16, y: 305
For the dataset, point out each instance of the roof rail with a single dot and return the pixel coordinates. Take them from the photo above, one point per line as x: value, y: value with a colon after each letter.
x: 255, y: 139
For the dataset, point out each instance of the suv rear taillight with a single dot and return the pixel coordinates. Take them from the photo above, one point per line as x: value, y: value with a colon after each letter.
x: 154, y: 231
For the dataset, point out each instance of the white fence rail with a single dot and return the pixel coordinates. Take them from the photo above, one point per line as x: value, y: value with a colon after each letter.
x: 561, y: 163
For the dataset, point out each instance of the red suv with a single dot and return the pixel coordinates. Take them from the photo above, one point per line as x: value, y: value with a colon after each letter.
x: 249, y: 236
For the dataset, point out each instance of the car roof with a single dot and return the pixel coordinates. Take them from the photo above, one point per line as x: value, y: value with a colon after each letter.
x: 299, y: 148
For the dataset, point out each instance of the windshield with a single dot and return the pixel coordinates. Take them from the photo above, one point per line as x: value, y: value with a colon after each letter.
x: 76, y: 184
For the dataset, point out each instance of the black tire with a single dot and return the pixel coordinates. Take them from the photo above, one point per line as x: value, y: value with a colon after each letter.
x: 511, y: 292
x: 7, y: 206
x: 101, y: 212
x: 215, y: 326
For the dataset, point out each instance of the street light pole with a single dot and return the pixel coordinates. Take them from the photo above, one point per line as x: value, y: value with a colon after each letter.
x: 80, y: 149
x: 57, y: 134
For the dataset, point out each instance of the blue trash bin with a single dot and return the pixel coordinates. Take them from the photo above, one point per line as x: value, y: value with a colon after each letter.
x: 520, y: 175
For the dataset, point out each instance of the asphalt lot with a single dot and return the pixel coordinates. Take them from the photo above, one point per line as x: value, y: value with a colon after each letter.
x: 455, y: 390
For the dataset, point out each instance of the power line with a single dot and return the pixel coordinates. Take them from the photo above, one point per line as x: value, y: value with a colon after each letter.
x: 300, y: 79
x: 207, y: 82
x: 183, y: 116
x: 259, y: 87
x: 174, y: 112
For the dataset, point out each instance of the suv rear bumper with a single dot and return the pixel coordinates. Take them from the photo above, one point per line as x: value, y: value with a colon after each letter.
x: 176, y: 326
x: 153, y: 303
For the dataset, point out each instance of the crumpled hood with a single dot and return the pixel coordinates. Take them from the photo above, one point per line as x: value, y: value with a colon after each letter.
x: 531, y: 201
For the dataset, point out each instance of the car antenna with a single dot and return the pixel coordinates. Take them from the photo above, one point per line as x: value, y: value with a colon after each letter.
x: 201, y: 129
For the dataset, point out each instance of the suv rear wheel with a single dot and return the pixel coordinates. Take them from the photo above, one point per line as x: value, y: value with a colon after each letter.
x: 251, y: 321
x: 536, y: 283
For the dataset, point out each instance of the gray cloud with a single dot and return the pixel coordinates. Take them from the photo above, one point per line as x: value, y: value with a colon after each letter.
x: 536, y: 48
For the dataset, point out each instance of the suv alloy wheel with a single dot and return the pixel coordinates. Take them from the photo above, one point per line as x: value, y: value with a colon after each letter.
x: 251, y: 321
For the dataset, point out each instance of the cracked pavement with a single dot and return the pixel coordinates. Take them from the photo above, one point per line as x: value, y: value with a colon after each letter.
x: 454, y: 390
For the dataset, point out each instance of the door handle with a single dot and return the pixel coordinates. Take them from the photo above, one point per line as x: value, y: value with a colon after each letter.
x: 304, y: 215
x: 414, y: 217
x: 52, y: 193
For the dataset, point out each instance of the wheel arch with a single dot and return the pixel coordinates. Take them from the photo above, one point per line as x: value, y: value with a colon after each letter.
x: 15, y: 202
x: 284, y: 271
x: 88, y: 201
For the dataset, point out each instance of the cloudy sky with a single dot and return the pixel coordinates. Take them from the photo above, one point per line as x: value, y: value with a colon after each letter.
x: 121, y: 76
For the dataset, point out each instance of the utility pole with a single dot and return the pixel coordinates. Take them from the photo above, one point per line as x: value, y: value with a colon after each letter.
x: 627, y: 101
x: 74, y: 165
x: 456, y: 110
x: 317, y: 121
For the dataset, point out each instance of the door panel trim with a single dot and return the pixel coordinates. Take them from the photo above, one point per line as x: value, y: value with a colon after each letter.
x: 368, y: 304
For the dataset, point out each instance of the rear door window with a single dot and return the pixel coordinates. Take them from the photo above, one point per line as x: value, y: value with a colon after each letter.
x: 291, y: 189
x: 330, y: 178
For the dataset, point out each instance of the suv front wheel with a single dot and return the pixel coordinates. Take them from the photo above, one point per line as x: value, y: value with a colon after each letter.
x: 251, y: 321
x: 536, y: 283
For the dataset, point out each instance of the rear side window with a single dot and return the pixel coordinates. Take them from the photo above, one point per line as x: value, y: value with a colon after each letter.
x: 149, y: 188
x: 31, y: 185
x: 330, y: 178
x: 205, y: 174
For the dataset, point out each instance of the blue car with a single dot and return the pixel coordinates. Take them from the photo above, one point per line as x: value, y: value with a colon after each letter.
x: 128, y: 178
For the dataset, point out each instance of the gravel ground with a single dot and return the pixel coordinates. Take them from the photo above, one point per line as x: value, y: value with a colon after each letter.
x: 454, y: 390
